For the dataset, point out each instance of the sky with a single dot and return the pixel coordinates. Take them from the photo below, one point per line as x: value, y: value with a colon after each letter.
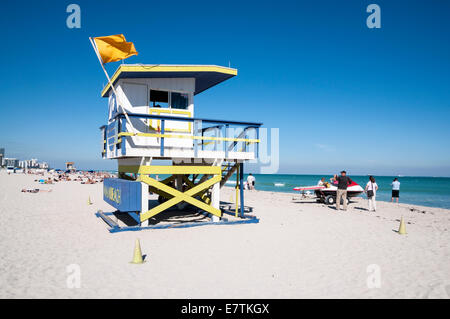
x: 371, y: 101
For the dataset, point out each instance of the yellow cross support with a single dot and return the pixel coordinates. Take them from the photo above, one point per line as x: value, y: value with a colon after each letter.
x: 173, y: 195
x: 178, y: 196
x: 203, y: 194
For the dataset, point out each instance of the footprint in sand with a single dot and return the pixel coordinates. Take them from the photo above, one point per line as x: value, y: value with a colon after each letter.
x: 438, y: 290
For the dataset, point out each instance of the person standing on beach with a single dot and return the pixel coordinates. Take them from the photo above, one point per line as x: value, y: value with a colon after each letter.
x: 395, y: 189
x: 251, y: 181
x: 371, y: 192
x: 343, y: 182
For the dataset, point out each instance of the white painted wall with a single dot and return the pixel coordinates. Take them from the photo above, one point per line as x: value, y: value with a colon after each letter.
x: 134, y: 94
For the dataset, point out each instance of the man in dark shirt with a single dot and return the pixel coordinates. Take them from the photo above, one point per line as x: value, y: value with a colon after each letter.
x: 343, y: 182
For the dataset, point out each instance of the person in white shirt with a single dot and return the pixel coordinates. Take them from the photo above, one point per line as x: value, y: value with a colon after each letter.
x: 321, y: 182
x: 251, y: 181
x: 395, y: 189
x: 371, y: 192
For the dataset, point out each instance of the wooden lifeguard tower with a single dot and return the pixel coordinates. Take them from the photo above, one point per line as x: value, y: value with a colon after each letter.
x: 70, y: 166
x: 152, y: 122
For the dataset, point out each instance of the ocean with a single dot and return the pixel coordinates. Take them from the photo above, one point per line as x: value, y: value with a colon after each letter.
x: 425, y: 191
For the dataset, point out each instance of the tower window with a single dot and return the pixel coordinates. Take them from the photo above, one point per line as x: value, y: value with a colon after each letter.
x: 179, y: 100
x: 159, y: 99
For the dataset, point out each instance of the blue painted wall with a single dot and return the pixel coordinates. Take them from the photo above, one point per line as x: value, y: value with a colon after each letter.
x: 123, y: 195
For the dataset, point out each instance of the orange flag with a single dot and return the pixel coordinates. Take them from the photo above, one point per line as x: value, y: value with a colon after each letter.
x: 114, y: 48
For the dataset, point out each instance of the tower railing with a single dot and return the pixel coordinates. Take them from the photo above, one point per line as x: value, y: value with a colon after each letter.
x: 231, y: 136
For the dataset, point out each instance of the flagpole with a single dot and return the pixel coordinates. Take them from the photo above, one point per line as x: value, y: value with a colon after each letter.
x: 111, y: 85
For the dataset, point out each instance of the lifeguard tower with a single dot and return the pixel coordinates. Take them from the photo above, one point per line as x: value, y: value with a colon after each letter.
x: 162, y: 148
x: 70, y: 166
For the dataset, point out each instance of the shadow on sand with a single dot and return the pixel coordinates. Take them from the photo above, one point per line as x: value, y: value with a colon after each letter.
x: 186, y: 214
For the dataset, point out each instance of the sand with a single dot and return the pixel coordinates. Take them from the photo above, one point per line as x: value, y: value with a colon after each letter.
x: 300, y: 249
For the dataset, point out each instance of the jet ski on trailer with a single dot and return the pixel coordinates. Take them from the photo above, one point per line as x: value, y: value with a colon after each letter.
x: 327, y: 193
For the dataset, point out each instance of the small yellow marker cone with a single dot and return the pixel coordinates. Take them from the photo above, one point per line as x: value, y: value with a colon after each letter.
x: 137, y: 258
x: 89, y: 202
x: 402, y: 228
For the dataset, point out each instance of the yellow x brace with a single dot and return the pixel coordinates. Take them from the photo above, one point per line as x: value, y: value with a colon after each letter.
x: 187, y: 196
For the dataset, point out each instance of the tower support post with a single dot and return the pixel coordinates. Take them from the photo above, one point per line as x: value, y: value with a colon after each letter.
x: 241, y: 187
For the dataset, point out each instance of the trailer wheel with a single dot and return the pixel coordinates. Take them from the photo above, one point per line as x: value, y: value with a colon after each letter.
x: 330, y: 200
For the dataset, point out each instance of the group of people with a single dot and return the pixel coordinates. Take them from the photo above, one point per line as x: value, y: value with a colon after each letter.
x: 35, y: 190
x: 343, y: 181
x: 372, y: 188
x: 81, y: 176
x: 59, y: 176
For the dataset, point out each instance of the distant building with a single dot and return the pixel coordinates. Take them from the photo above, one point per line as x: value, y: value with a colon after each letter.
x: 2, y: 155
x: 11, y: 162
x: 43, y: 165
x: 34, y: 163
x: 25, y: 164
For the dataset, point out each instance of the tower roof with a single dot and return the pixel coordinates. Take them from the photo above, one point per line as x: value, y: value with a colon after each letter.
x: 206, y: 76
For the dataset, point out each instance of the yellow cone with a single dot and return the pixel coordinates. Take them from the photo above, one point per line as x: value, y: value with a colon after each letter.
x: 89, y: 202
x: 137, y: 258
x: 402, y: 228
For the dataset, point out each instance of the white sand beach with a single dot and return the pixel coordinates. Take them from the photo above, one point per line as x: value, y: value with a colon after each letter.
x: 300, y: 249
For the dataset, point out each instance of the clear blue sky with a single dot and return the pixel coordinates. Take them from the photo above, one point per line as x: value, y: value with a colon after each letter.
x: 344, y: 96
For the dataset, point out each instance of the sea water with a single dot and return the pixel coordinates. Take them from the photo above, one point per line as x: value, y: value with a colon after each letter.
x: 426, y: 191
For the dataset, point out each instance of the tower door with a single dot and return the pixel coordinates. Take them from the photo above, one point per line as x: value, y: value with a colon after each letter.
x: 137, y: 96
